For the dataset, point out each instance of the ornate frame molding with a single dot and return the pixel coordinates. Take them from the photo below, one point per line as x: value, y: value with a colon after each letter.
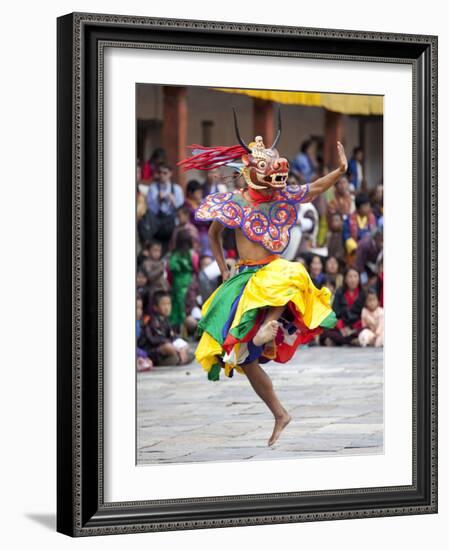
x: 81, y: 43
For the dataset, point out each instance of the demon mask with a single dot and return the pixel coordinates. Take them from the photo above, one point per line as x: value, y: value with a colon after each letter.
x: 263, y: 168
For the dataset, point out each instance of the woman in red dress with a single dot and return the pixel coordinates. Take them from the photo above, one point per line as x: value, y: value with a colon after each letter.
x: 348, y: 304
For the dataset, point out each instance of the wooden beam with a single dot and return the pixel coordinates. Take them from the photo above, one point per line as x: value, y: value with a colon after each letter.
x: 174, y: 129
x: 333, y: 132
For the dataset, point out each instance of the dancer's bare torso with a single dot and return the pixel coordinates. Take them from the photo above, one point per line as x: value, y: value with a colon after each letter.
x: 248, y: 250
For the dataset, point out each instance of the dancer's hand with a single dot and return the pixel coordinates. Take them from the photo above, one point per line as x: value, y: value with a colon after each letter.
x: 342, y: 161
x: 225, y: 275
x: 321, y: 185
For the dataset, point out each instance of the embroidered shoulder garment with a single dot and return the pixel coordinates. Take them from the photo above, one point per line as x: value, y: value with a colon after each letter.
x: 267, y: 223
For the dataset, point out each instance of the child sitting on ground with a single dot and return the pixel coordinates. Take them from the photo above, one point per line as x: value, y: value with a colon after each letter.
x: 372, y: 322
x: 142, y: 286
x: 158, y: 338
x: 143, y: 362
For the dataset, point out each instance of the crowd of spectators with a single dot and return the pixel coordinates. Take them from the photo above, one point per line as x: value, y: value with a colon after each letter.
x: 338, y: 237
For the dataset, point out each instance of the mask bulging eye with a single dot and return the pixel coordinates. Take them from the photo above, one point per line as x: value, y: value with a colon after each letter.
x: 262, y: 164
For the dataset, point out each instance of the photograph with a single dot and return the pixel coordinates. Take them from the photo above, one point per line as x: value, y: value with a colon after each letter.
x: 259, y: 274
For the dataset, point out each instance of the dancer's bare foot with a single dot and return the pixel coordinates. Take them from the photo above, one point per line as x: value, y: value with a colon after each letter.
x: 266, y: 333
x: 279, y: 425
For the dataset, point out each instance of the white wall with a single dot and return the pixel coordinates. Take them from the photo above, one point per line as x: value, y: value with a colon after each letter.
x: 28, y: 278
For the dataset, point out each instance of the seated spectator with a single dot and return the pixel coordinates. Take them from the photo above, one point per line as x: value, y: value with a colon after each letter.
x: 143, y: 362
x: 377, y: 201
x: 342, y: 202
x: 332, y: 272
x: 335, y: 246
x: 194, y: 197
x: 359, y: 223
x: 154, y: 268
x: 157, y: 337
x: 163, y: 199
x: 372, y: 333
x: 348, y: 303
x: 184, y: 224
x: 316, y: 271
x: 380, y: 279
x: 149, y: 248
x: 367, y: 254
x: 143, y: 288
x: 183, y: 265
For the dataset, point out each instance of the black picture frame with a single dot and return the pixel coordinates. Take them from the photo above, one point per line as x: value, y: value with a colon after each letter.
x: 81, y: 510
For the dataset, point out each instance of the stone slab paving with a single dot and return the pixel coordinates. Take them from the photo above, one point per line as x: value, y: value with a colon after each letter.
x: 335, y: 396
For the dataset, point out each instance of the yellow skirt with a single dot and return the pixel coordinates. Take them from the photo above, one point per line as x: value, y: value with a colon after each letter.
x: 234, y: 312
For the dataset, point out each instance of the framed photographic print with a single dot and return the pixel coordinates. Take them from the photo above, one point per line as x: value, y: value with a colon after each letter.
x: 247, y: 274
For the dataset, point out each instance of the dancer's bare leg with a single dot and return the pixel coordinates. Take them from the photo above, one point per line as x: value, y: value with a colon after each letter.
x: 268, y: 330
x: 263, y: 386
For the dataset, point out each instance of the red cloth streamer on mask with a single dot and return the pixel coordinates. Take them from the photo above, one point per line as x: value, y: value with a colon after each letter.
x: 211, y: 157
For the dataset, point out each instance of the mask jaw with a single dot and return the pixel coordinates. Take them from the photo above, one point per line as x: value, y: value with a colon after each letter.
x: 278, y: 185
x: 247, y: 177
x: 257, y: 187
x: 250, y: 175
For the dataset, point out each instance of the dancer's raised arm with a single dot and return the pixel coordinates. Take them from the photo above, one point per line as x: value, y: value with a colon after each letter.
x: 323, y: 184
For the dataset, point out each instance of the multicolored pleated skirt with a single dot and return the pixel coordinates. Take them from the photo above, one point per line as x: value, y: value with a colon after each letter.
x: 234, y: 312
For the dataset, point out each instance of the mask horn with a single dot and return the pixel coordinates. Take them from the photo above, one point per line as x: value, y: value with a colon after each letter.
x: 278, y: 134
x: 239, y: 138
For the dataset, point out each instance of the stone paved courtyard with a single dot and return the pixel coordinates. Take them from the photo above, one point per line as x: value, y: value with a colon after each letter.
x: 335, y: 396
